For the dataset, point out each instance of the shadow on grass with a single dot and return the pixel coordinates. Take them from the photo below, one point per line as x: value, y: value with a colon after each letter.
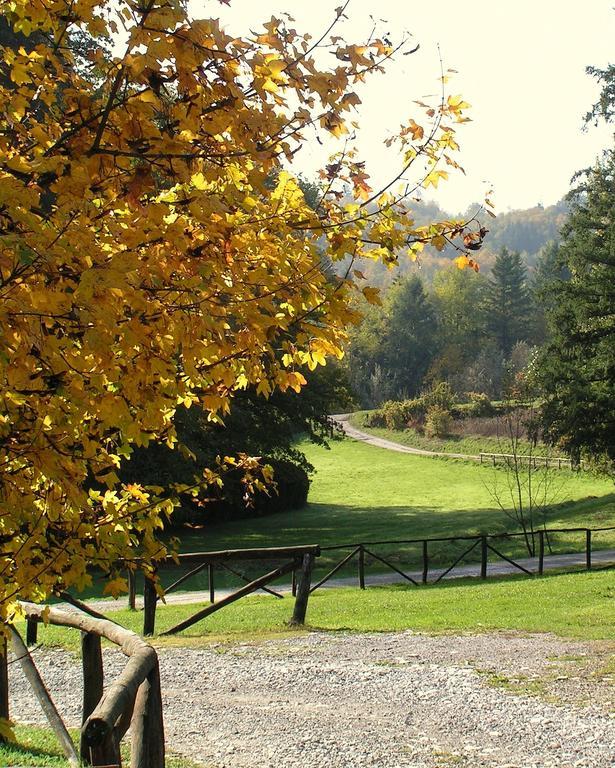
x: 345, y: 524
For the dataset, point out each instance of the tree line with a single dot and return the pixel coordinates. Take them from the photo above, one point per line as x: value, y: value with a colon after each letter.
x: 466, y: 329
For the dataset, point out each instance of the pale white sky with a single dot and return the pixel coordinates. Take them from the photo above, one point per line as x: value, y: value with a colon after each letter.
x: 520, y: 64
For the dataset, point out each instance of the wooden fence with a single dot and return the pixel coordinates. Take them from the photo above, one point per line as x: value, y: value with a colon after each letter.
x: 485, y: 543
x: 293, y: 559
x: 301, y: 560
x: 535, y: 461
x: 132, y: 700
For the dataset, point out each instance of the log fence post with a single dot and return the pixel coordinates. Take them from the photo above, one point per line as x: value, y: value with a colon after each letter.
x: 362, y: 567
x: 149, y: 606
x: 132, y: 591
x: 147, y: 727
x: 32, y: 675
x: 106, y: 753
x: 293, y: 585
x: 541, y: 552
x: 4, y: 682
x: 210, y: 583
x: 483, y: 557
x: 31, y: 632
x: 425, y: 561
x: 303, y: 590
x: 588, y: 549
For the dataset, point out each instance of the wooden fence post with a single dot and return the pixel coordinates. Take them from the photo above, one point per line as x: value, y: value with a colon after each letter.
x: 93, y: 685
x: 4, y: 682
x: 210, y: 582
x: 425, y: 561
x: 31, y: 632
x: 293, y: 585
x: 362, y: 567
x: 147, y: 727
x: 483, y: 557
x: 588, y: 549
x: 303, y: 591
x: 541, y: 552
x: 149, y: 606
x: 32, y: 675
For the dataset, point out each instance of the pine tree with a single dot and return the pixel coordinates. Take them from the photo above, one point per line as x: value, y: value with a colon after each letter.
x: 508, y: 306
x: 577, y: 370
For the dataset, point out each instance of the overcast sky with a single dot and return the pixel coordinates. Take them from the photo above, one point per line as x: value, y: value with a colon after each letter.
x: 520, y: 64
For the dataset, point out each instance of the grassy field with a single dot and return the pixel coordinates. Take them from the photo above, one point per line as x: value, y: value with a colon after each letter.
x: 363, y: 494
x: 580, y: 605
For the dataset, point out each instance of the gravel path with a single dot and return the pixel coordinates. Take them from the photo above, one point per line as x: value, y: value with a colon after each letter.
x: 399, y: 700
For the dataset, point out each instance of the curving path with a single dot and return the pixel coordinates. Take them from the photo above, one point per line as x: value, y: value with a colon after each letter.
x: 343, y: 419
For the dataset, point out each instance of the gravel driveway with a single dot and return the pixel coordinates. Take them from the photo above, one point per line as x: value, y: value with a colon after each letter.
x: 399, y: 700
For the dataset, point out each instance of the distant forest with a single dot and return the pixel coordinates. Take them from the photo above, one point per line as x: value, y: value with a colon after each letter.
x: 526, y: 231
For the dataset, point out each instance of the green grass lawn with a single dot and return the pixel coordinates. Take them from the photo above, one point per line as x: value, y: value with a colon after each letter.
x: 580, y: 605
x: 361, y: 494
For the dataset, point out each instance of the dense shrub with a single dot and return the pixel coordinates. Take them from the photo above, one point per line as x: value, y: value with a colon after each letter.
x: 373, y: 419
x: 438, y: 422
x: 479, y: 404
x: 441, y: 395
x: 397, y: 415
x: 290, y: 492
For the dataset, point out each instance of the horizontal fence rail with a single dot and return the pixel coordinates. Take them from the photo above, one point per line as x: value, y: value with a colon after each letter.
x: 546, y: 461
x: 480, y: 550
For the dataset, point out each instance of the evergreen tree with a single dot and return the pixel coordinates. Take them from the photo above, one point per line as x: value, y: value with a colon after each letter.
x: 411, y: 338
x: 577, y: 370
x: 508, y: 306
x: 390, y: 353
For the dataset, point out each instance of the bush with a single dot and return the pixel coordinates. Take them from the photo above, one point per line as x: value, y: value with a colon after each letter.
x: 373, y: 418
x: 438, y: 422
x: 397, y: 415
x: 441, y: 395
x: 479, y: 404
x: 291, y: 493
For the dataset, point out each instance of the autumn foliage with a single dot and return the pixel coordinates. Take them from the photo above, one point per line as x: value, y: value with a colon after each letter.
x: 155, y: 249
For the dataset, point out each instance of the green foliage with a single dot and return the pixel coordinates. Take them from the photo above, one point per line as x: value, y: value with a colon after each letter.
x: 440, y: 395
x: 508, y: 305
x: 479, y: 404
x: 604, y: 109
x: 257, y: 426
x: 438, y: 421
x: 578, y: 605
x: 577, y: 369
x: 397, y: 415
x: 398, y: 339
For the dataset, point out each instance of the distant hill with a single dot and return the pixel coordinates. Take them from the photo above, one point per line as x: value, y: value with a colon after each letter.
x: 525, y: 230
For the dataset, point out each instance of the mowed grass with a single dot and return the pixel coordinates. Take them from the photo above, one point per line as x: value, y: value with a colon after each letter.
x: 578, y: 605
x: 364, y: 494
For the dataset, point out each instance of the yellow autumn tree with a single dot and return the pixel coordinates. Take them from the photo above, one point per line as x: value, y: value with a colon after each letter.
x: 156, y: 250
